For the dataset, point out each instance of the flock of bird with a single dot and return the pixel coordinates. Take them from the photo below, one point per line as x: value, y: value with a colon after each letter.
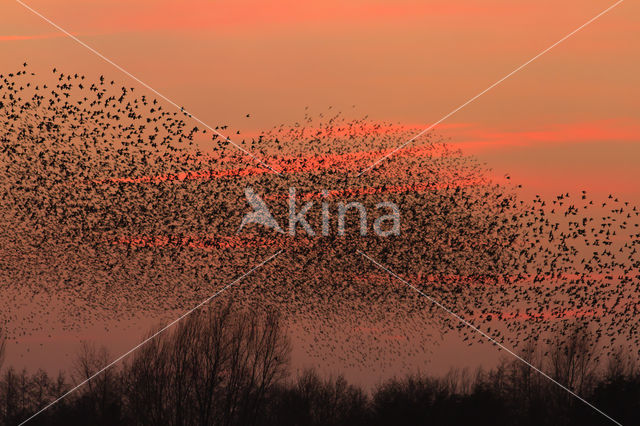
x: 115, y: 207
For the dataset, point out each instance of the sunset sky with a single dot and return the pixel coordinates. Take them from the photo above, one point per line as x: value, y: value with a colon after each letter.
x: 566, y: 122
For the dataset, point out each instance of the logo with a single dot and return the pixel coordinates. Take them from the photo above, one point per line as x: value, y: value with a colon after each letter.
x: 383, y: 226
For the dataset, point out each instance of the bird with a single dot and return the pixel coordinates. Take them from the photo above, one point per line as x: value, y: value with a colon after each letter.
x: 113, y: 209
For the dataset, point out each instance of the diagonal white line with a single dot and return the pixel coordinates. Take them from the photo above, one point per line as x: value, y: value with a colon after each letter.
x: 489, y: 88
x: 491, y: 339
x: 153, y: 336
x: 104, y: 58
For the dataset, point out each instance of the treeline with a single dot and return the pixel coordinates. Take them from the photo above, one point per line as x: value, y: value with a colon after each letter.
x: 225, y: 367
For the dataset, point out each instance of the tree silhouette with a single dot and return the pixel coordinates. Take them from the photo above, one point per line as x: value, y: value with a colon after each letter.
x: 224, y: 366
x: 215, y: 368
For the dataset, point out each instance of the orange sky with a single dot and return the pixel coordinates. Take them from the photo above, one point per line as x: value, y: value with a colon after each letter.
x: 405, y: 61
x: 566, y: 122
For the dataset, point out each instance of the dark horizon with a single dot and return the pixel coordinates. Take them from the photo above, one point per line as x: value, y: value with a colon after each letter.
x: 228, y: 366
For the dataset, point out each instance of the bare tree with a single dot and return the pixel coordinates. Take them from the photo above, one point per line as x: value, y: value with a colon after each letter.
x: 620, y: 364
x: 573, y: 359
x: 101, y: 392
x: 214, y: 368
x: 15, y: 395
x: 317, y: 401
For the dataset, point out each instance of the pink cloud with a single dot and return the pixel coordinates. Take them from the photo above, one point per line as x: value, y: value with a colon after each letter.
x: 249, y: 14
x: 474, y: 138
